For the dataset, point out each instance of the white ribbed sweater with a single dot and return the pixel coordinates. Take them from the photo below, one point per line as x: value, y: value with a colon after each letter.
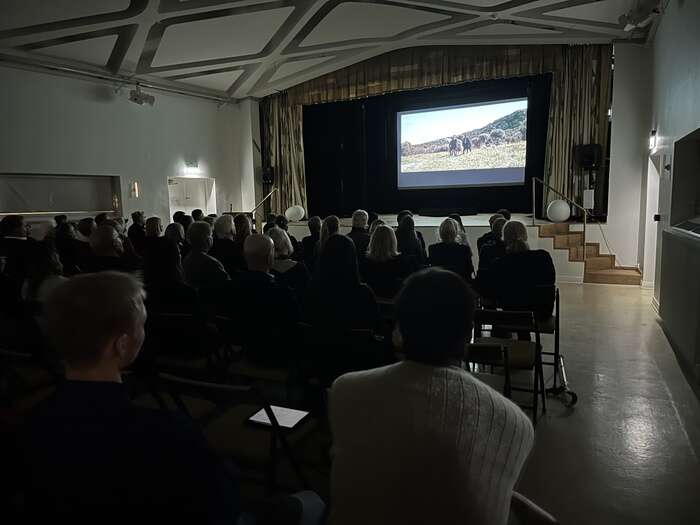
x: 419, y: 444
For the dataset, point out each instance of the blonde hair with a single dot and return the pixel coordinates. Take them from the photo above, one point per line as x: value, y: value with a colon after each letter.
x: 223, y: 226
x: 449, y: 229
x: 359, y: 219
x: 515, y: 237
x: 382, y: 244
x: 283, y: 244
x: 329, y: 227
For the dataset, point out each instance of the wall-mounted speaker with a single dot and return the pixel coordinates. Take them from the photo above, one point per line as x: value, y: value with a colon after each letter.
x: 588, y: 156
x: 268, y: 175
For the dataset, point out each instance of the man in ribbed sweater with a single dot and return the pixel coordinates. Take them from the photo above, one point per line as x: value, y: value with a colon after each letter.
x: 422, y: 441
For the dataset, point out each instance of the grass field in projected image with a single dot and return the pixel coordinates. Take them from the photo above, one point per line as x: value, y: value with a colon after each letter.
x: 502, y: 156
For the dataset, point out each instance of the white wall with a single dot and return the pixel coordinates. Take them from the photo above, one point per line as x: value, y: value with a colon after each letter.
x: 56, y: 124
x: 629, y: 143
x: 676, y: 96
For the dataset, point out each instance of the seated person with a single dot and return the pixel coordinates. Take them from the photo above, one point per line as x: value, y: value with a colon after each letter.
x: 243, y: 228
x: 462, y: 233
x: 422, y: 441
x: 107, y: 252
x: 383, y: 268
x: 491, y: 251
x: 282, y: 222
x: 84, y: 230
x: 16, y: 248
x: 337, y: 299
x: 374, y: 225
x: 407, y: 213
x: 287, y: 272
x: 67, y: 246
x: 202, y: 270
x: 450, y: 254
x: 87, y: 450
x: 505, y: 213
x: 197, y: 215
x: 265, y: 339
x: 44, y: 273
x: 176, y: 233
x: 524, y: 279
x: 308, y: 243
x: 137, y: 232
x: 164, y: 280
x: 409, y: 243
x: 488, y: 236
x: 359, y: 233
x: 224, y: 249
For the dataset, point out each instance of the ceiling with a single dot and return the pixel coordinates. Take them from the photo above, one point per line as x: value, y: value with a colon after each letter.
x: 256, y: 47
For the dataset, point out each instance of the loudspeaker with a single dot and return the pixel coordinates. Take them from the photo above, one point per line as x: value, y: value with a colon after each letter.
x: 268, y: 175
x: 588, y: 156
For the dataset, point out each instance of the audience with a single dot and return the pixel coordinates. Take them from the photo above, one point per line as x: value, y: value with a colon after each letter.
x: 309, y: 242
x: 421, y: 441
x: 410, y: 245
x: 337, y: 298
x: 244, y: 229
x: 224, y: 249
x: 371, y: 217
x: 505, y: 213
x: 383, y: 267
x: 201, y: 270
x: 137, y: 232
x: 359, y: 233
x: 176, y: 233
x: 407, y: 213
x: 107, y: 252
x: 374, y: 224
x: 15, y: 248
x: 329, y: 227
x: 154, y: 227
x: 197, y: 215
x: 282, y: 222
x: 488, y: 236
x: 87, y: 450
x: 492, y: 249
x: 462, y: 233
x: 450, y: 254
x: 164, y: 281
x: 288, y: 272
x: 101, y: 218
x: 186, y: 221
x: 44, y: 273
x: 68, y: 248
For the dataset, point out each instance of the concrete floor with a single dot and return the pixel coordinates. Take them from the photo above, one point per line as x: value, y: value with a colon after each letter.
x: 628, y: 452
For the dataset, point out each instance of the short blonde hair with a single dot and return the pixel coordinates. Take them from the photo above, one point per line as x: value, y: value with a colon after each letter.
x: 223, y: 226
x: 283, y: 244
x: 449, y: 229
x: 359, y: 219
x: 382, y: 245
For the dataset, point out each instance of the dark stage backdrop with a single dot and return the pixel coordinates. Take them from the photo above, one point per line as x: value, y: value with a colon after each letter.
x: 351, y: 155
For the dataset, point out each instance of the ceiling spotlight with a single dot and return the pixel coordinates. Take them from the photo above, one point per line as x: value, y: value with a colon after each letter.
x: 641, y: 15
x: 139, y: 97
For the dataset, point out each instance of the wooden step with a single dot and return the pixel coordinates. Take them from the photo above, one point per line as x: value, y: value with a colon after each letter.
x: 628, y: 276
x: 553, y: 229
x: 600, y: 262
x: 576, y: 252
x: 565, y: 241
x: 592, y: 249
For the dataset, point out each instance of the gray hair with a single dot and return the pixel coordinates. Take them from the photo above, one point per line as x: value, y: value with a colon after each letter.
x: 382, y: 245
x: 199, y: 236
x: 283, y: 244
x: 223, y: 226
x: 359, y: 219
x: 515, y: 237
x: 449, y: 230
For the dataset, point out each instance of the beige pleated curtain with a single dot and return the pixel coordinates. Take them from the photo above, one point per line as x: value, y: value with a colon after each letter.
x: 580, y: 97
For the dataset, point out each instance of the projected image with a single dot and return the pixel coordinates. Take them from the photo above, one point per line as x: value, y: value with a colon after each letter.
x: 465, y: 145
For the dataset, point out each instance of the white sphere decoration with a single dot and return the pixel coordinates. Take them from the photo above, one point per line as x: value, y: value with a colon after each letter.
x: 295, y: 213
x: 558, y: 211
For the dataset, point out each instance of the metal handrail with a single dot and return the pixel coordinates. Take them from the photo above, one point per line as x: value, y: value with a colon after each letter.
x: 567, y: 199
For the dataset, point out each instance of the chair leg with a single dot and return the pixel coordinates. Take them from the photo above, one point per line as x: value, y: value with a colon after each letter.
x: 543, y: 392
x: 535, y: 396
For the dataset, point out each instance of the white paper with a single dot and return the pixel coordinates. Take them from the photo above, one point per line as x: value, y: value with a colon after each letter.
x: 286, y: 417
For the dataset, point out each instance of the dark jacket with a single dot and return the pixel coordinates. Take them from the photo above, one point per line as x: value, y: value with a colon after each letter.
x: 202, y: 271
x: 308, y: 244
x: 341, y: 307
x: 361, y: 238
x: 487, y: 237
x: 227, y: 253
x: 525, y: 281
x: 295, y: 278
x: 386, y: 277
x: 454, y: 257
x: 137, y: 236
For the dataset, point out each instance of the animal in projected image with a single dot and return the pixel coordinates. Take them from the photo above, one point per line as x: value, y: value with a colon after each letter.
x: 460, y: 146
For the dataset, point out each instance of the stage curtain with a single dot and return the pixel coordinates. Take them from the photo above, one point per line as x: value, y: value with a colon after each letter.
x: 578, y: 109
x: 283, y: 150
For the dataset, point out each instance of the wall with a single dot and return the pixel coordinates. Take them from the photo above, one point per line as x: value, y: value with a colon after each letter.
x: 56, y: 124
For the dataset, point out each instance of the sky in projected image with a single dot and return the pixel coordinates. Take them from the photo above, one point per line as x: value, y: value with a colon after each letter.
x: 425, y: 126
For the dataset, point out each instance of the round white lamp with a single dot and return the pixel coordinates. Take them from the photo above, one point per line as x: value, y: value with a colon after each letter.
x: 558, y: 211
x: 295, y: 213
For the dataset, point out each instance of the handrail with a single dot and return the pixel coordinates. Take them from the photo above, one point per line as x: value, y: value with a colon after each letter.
x: 263, y: 201
x: 567, y: 199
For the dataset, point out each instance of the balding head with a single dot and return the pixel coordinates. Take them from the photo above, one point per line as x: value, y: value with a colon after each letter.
x: 259, y: 253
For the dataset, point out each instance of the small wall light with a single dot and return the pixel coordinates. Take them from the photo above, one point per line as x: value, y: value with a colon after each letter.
x: 134, y: 189
x: 652, y: 140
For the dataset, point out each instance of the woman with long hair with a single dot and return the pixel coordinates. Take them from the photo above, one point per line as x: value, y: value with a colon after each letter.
x: 408, y: 243
x: 384, y: 268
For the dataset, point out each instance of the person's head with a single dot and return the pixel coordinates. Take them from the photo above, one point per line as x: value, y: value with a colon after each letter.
x: 105, y: 242
x: 497, y: 228
x: 259, y: 253
x: 505, y: 213
x: 186, y: 222
x: 102, y: 217
x: 178, y: 215
x: 449, y: 229
x: 282, y: 222
x: 371, y: 217
x: 154, y: 227
x: 283, y: 244
x: 96, y: 323
x: 197, y: 215
x: 243, y: 226
x: 268, y: 226
x: 13, y: 226
x: 359, y: 219
x: 175, y: 232
x: 223, y: 227
x: 382, y: 244
x: 87, y: 226
x: 338, y: 263
x: 199, y: 236
x: 163, y: 264
x: 138, y: 217
x: 209, y: 220
x: 120, y: 224
x: 315, y: 225
x: 213, y: 216
x: 60, y: 219
x: 515, y: 237
x: 330, y: 227
x: 457, y: 217
x: 65, y: 231
x: 403, y: 214
x: 374, y: 225
x: 493, y: 218
x: 434, y: 314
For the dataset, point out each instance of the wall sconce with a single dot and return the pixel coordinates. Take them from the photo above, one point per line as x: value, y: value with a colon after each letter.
x: 191, y: 169
x: 652, y: 140
x: 134, y: 189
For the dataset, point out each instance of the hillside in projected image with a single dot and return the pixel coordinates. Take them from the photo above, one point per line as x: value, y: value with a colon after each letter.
x: 464, y: 138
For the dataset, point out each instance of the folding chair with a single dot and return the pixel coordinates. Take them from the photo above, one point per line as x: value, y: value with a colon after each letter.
x: 523, y: 355
x: 228, y: 429
x: 491, y: 355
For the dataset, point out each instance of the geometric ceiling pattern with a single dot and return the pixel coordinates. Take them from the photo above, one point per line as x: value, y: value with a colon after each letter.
x: 256, y: 47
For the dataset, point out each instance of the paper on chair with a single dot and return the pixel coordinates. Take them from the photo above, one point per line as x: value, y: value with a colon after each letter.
x: 286, y: 417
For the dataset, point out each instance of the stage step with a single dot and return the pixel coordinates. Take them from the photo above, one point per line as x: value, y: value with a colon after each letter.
x: 629, y: 276
x: 600, y: 262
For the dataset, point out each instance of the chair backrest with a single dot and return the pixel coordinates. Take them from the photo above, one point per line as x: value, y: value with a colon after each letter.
x: 490, y: 354
x: 512, y: 321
